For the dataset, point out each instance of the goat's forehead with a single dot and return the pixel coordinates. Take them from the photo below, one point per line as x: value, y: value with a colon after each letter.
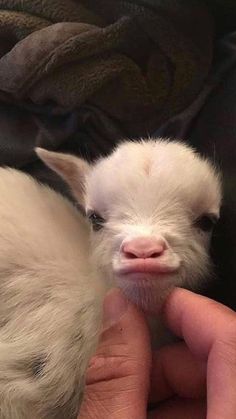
x: 153, y: 172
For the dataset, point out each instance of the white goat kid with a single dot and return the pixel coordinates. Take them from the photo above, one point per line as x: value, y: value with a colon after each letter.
x: 152, y: 206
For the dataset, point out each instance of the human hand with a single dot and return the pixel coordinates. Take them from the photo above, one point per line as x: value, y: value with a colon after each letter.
x: 118, y: 376
x: 184, y: 375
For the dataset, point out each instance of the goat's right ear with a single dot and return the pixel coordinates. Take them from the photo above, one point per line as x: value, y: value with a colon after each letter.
x: 71, y: 168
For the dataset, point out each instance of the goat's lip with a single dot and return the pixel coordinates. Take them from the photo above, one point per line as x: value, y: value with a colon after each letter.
x: 144, y: 266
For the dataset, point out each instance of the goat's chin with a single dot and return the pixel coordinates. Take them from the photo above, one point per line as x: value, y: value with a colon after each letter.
x: 146, y: 291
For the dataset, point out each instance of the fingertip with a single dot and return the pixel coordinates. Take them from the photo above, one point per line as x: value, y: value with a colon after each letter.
x: 124, y: 323
x: 114, y: 306
x: 197, y: 319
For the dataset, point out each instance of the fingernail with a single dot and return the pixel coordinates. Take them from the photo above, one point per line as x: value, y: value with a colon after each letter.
x: 114, y: 306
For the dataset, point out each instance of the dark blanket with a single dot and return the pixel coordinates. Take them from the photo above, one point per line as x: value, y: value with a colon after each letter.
x: 81, y: 75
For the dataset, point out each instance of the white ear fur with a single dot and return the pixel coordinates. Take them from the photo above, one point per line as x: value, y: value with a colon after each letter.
x: 71, y: 168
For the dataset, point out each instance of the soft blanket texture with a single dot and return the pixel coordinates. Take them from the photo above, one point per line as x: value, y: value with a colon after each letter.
x: 83, y: 74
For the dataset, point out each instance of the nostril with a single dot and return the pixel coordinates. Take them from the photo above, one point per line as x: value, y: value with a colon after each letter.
x: 156, y: 254
x: 130, y: 255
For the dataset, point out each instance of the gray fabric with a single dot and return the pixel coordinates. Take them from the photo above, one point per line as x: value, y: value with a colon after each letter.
x: 80, y: 75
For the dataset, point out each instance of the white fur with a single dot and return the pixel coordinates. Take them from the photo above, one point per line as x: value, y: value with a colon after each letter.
x: 50, y: 301
x: 154, y: 188
x: 50, y: 297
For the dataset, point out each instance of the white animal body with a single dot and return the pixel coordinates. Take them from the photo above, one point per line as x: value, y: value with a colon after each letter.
x: 152, y: 206
x: 50, y: 301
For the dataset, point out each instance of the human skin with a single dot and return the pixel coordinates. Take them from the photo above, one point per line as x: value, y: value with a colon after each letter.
x: 195, y: 378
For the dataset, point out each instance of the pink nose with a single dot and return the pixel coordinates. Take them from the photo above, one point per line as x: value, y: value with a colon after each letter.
x: 143, y: 248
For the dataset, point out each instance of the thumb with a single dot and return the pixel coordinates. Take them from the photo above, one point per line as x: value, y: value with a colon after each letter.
x: 117, y: 382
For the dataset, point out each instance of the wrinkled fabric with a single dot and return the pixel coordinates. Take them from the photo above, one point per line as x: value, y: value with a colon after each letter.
x: 81, y: 75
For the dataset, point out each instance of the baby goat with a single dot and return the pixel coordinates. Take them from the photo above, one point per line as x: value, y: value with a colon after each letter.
x: 152, y: 206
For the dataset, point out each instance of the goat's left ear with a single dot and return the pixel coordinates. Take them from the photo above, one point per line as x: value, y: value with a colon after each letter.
x: 71, y: 168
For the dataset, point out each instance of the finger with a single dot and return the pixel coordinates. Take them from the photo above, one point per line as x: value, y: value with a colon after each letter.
x: 199, y: 320
x: 179, y: 409
x: 221, y: 377
x: 118, y: 376
x: 209, y: 329
x: 176, y: 371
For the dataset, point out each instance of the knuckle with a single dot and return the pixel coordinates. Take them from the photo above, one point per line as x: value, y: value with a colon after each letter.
x: 111, y: 367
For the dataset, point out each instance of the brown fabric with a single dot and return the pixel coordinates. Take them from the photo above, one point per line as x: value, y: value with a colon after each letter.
x: 82, y: 74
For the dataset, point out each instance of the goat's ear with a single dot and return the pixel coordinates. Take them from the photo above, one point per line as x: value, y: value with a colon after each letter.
x: 71, y: 168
